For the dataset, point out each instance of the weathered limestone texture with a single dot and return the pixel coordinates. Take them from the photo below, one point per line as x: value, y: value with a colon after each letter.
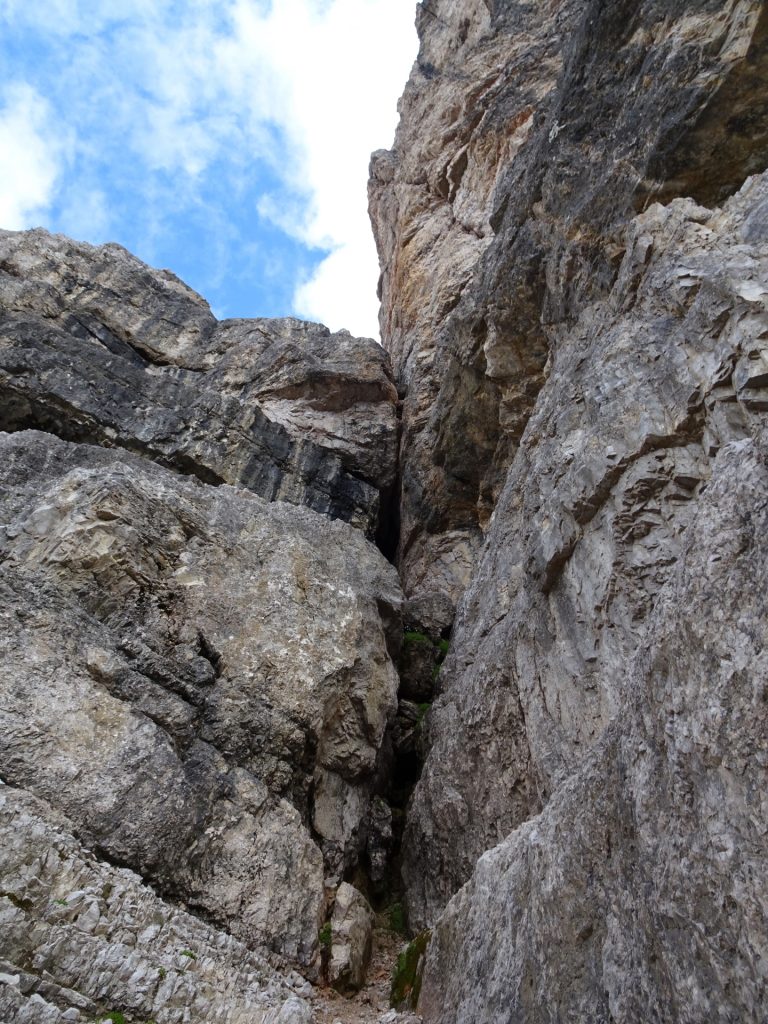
x: 80, y: 939
x: 96, y: 346
x: 528, y: 134
x: 641, y: 891
x: 590, y: 526
x: 199, y: 679
x: 203, y: 737
x: 351, y: 939
x: 574, y: 246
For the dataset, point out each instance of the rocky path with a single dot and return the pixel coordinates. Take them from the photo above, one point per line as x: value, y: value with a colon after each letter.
x: 371, y: 1004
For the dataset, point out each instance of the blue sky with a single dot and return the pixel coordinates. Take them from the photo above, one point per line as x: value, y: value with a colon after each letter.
x: 227, y: 140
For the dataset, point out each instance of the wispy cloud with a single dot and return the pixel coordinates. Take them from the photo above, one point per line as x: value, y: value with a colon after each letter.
x: 31, y: 156
x: 263, y: 113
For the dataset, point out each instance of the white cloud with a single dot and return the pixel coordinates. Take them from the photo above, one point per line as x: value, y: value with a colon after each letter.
x: 336, y: 70
x: 307, y: 88
x: 30, y: 157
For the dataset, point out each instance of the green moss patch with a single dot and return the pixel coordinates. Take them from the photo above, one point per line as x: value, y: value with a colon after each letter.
x: 423, y: 709
x: 413, y: 637
x: 325, y: 936
x: 406, y: 977
x: 396, y: 918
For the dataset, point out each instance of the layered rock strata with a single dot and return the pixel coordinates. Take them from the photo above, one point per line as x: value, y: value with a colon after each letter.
x: 582, y: 358
x: 80, y: 939
x: 590, y: 527
x: 218, y: 679
x: 97, y: 347
x: 197, y: 678
x: 640, y: 891
x: 529, y: 133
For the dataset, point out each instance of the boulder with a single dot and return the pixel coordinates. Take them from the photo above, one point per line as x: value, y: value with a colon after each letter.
x: 351, y: 939
x: 184, y: 668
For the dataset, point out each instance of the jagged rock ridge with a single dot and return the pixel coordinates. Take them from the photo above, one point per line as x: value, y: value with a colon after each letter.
x: 98, y: 347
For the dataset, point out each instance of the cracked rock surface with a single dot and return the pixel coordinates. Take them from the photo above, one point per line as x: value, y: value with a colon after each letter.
x: 529, y: 135
x: 80, y: 938
x: 639, y: 893
x: 590, y: 527
x: 213, y: 781
x: 199, y: 679
x: 95, y: 346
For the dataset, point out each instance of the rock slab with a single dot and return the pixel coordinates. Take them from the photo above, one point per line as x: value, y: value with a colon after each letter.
x: 97, y: 347
x: 212, y: 663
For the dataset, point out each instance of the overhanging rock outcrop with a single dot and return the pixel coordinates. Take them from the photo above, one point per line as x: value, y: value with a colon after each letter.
x: 529, y: 134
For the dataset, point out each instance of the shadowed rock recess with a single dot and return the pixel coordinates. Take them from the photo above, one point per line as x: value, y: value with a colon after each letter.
x: 228, y: 727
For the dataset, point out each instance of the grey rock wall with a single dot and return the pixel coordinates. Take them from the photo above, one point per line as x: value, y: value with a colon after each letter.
x: 640, y: 891
x: 80, y: 938
x: 217, y: 679
x: 590, y: 526
x: 529, y: 134
x: 97, y: 347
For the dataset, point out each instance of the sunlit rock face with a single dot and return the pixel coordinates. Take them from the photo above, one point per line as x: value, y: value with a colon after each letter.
x: 572, y: 234
x: 217, y: 679
x: 98, y: 347
x: 207, y: 758
x: 529, y: 134
x: 197, y: 678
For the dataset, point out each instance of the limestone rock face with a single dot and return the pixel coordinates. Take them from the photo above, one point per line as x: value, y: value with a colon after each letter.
x: 199, y: 679
x: 529, y: 133
x: 202, y: 730
x: 573, y: 238
x: 640, y: 891
x: 351, y: 942
x: 97, y: 347
x: 80, y: 938
x: 590, y: 525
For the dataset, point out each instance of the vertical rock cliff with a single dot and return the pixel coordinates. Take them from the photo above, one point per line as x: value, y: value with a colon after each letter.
x: 572, y: 232
x: 198, y: 639
x: 225, y: 720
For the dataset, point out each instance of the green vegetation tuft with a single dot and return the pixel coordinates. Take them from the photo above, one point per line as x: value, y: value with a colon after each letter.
x: 406, y: 977
x: 443, y: 646
x: 188, y: 953
x: 396, y: 915
x: 325, y: 936
x: 413, y: 637
x: 115, y: 1016
x: 423, y: 709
